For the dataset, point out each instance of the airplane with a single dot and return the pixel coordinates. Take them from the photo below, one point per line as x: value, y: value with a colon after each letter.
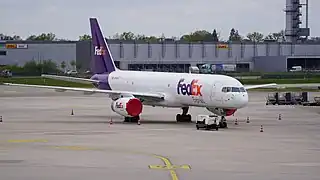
x: 131, y: 90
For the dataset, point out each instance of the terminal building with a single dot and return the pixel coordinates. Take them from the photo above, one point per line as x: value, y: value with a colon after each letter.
x: 170, y: 56
x: 179, y: 56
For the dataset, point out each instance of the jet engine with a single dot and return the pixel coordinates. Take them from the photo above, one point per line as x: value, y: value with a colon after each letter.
x: 127, y: 106
x: 222, y: 112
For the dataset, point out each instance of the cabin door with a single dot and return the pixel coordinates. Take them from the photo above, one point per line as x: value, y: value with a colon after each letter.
x: 216, y: 91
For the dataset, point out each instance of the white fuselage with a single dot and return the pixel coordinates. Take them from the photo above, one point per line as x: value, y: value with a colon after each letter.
x: 205, y: 91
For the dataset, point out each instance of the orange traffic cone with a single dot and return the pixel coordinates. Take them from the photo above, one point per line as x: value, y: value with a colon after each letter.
x: 261, y: 128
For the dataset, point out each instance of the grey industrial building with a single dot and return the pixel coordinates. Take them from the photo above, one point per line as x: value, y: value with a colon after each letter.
x: 267, y: 57
x: 248, y: 56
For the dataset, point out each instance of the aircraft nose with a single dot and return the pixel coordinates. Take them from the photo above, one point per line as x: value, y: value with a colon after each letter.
x: 243, y: 99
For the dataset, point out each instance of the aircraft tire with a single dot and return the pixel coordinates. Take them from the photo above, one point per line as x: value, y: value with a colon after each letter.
x: 126, y: 119
x: 189, y: 117
x: 223, y: 125
x: 178, y: 117
x: 183, y: 118
x: 132, y: 119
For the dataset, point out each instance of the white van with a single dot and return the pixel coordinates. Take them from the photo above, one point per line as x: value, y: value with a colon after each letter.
x: 296, y: 68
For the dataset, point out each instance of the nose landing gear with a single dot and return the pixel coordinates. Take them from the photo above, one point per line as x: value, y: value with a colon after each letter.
x: 223, y: 122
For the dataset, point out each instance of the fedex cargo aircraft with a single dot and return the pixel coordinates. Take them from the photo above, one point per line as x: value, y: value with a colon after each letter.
x: 131, y: 90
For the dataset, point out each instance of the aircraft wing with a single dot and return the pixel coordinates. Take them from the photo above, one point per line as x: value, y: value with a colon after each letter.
x: 70, y: 79
x: 305, y: 85
x: 273, y: 85
x: 150, y: 96
x: 260, y: 86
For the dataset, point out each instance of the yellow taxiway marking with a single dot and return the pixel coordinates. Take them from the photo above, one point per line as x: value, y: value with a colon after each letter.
x: 26, y: 140
x: 169, y: 166
x: 77, y: 148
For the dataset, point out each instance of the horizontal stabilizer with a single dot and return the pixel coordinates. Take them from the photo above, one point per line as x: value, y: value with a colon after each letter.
x: 70, y: 79
x: 153, y: 96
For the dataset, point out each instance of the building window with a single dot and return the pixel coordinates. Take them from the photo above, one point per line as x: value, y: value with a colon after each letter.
x: 190, y: 50
x: 3, y: 53
x: 203, y: 50
x: 163, y: 49
x: 135, y: 49
x: 177, y: 50
x: 121, y: 50
x: 149, y: 50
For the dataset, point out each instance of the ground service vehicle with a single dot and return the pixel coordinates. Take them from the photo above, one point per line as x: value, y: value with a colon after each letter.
x: 208, y: 122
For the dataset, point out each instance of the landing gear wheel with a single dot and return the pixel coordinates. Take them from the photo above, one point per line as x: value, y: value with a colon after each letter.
x: 223, y: 125
x: 136, y: 119
x: 132, y: 119
x: 126, y: 119
x: 189, y: 118
x: 223, y: 122
x: 183, y: 118
x: 178, y: 117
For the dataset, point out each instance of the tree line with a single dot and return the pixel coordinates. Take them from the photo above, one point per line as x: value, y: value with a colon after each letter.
x: 36, y: 68
x: 196, y: 36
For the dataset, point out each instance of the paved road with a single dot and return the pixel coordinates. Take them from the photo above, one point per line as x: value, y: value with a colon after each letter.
x: 39, y: 139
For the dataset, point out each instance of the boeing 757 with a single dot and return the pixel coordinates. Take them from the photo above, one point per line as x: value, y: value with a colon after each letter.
x: 131, y: 90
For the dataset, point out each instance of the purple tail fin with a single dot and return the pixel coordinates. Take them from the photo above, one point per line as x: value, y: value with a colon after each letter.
x: 102, y: 58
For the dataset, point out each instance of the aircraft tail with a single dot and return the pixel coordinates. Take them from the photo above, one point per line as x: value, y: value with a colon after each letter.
x: 102, y: 61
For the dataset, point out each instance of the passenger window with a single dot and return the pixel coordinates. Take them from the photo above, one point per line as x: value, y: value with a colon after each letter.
x: 242, y: 89
x: 224, y: 89
x: 228, y: 89
x: 235, y: 89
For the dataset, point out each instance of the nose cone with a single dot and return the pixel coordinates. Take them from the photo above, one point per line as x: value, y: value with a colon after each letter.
x: 244, y: 99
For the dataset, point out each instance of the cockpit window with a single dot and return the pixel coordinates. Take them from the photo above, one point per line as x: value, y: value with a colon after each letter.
x: 235, y: 89
x: 224, y: 89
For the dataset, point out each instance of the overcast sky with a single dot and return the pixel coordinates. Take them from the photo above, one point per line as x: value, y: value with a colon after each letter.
x: 69, y: 18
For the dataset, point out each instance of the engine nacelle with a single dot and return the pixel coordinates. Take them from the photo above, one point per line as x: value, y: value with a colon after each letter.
x: 127, y: 106
x: 222, y: 112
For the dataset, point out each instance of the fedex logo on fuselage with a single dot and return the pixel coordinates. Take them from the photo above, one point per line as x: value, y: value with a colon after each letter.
x: 99, y: 51
x: 191, y: 89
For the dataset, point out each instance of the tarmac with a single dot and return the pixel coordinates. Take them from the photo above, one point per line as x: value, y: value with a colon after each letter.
x: 41, y: 140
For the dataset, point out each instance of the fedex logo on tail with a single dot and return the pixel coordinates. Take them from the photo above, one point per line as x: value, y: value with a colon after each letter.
x: 193, y: 88
x: 99, y: 51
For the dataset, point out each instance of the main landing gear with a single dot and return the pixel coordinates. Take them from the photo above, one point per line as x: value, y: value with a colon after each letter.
x: 223, y: 122
x: 184, y: 117
x: 132, y: 119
